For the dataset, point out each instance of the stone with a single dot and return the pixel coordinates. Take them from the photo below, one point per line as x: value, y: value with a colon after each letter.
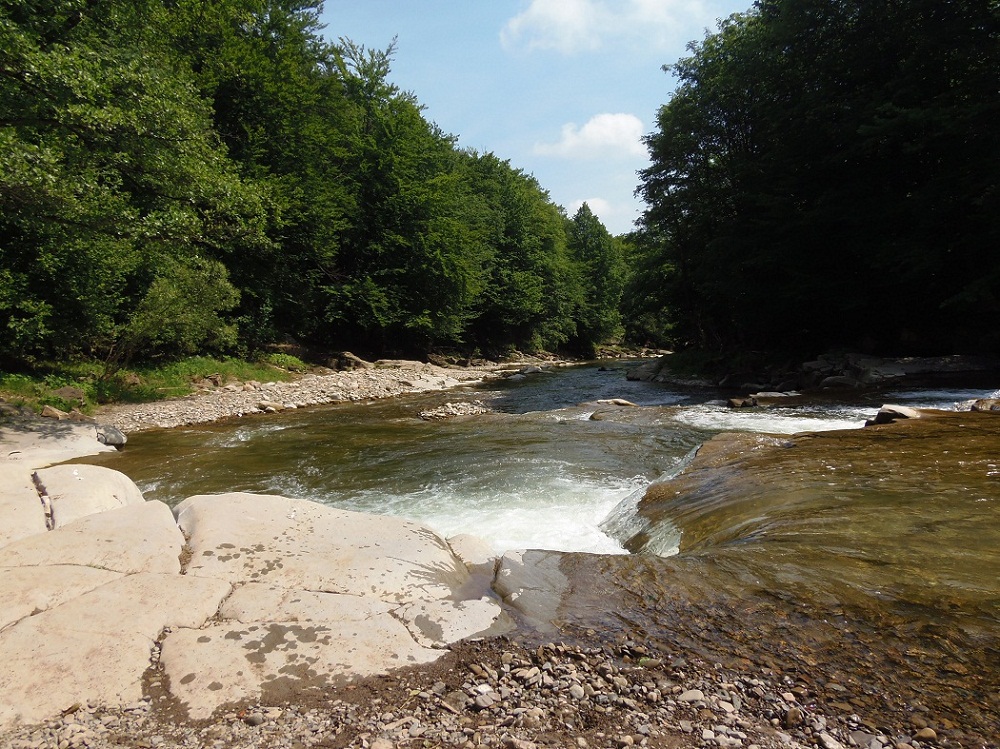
x: 96, y: 647
x: 108, y: 434
x: 926, y: 734
x: 51, y: 412
x: 987, y: 405
x: 793, y: 717
x: 691, y: 695
x: 890, y: 413
x: 135, y: 538
x: 293, y: 543
x: 826, y: 741
x: 78, y: 490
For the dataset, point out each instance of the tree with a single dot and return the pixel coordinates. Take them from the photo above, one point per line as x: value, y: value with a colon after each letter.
x: 108, y: 164
x: 825, y: 176
x: 601, y: 267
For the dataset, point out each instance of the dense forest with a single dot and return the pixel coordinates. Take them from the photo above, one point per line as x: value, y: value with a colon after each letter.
x: 191, y: 176
x: 827, y: 174
x: 181, y: 176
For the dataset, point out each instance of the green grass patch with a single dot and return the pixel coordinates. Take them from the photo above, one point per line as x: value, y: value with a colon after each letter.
x: 38, y: 388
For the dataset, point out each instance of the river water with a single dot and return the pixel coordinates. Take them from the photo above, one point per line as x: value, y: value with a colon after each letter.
x: 869, y: 556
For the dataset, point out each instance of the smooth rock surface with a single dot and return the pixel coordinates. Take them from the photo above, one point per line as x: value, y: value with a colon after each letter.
x: 135, y: 538
x: 532, y: 582
x: 298, y: 544
x: 97, y: 646
x: 25, y: 591
x: 320, y: 597
x: 75, y: 491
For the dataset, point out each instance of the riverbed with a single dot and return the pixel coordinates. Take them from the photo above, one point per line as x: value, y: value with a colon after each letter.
x: 866, y: 569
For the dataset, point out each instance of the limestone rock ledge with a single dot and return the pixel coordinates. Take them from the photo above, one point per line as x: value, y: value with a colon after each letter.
x: 240, y: 597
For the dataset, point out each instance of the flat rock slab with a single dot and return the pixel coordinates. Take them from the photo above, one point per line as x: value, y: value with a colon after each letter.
x: 96, y: 647
x: 20, y: 507
x: 75, y: 491
x: 27, y: 591
x: 24, y: 447
x: 322, y: 640
x: 532, y: 582
x: 321, y: 596
x: 134, y: 538
x: 296, y: 544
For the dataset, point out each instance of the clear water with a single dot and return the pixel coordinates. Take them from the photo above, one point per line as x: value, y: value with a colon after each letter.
x: 863, y: 557
x: 544, y: 472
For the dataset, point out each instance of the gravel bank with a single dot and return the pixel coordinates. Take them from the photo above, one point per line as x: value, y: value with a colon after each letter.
x: 499, y: 693
x: 382, y: 380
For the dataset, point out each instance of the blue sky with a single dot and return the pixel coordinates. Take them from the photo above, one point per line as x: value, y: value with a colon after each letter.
x: 564, y: 89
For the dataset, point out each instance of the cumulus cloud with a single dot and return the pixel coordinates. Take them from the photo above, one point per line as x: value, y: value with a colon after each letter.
x: 570, y: 26
x: 602, y: 135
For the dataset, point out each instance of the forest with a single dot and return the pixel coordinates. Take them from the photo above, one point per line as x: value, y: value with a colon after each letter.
x: 184, y: 176
x: 826, y: 175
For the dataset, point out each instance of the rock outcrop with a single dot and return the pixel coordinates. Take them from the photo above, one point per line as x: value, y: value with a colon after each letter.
x: 239, y: 597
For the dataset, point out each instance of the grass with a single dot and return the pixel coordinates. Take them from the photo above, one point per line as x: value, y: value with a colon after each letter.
x: 38, y: 388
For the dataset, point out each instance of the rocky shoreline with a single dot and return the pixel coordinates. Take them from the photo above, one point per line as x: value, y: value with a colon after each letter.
x: 521, y: 690
x: 502, y: 693
x: 368, y: 381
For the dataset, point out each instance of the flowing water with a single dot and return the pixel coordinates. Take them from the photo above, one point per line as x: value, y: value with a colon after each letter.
x: 882, y: 545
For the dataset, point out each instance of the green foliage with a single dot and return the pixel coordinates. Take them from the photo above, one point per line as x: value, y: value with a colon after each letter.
x: 826, y: 174
x: 286, y: 361
x: 188, y: 177
x: 601, y: 264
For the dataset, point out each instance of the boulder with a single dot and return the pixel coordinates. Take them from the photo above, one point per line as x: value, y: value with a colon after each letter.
x: 347, y: 361
x: 889, y: 413
x: 51, y: 412
x: 293, y: 543
x: 111, y: 435
x: 71, y: 393
x: 78, y: 490
x: 986, y: 404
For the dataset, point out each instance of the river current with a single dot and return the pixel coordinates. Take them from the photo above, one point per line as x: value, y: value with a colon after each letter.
x: 871, y: 555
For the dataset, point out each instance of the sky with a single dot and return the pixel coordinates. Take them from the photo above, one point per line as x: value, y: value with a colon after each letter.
x: 563, y: 89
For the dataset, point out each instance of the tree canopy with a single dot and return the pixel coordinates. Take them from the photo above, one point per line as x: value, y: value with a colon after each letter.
x: 826, y: 174
x: 180, y: 175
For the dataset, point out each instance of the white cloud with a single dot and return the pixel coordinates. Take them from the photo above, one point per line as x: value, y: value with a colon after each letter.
x: 570, y: 26
x: 602, y: 135
x: 563, y: 25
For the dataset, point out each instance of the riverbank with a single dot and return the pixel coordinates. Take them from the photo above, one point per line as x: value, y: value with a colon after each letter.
x: 143, y: 671
x: 368, y: 381
x: 751, y: 668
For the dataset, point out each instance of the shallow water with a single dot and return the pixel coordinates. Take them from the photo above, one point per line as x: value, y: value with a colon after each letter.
x: 863, y: 552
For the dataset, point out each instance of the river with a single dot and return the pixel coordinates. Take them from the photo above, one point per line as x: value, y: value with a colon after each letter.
x: 865, y: 563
